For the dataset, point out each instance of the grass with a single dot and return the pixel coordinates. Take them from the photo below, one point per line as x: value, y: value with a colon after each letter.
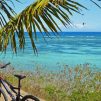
x: 80, y: 83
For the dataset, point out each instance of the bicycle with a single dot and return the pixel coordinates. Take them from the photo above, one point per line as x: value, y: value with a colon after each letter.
x: 9, y: 87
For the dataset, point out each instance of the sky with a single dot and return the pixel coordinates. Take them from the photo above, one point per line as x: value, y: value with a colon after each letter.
x: 91, y: 17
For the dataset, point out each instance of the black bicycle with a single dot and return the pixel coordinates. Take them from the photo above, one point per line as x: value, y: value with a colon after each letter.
x: 8, y: 88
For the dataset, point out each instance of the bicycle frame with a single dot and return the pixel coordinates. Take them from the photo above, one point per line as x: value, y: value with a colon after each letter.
x: 6, y: 84
x: 9, y: 88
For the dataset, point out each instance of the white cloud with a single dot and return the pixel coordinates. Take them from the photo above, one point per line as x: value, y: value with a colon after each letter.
x: 79, y: 25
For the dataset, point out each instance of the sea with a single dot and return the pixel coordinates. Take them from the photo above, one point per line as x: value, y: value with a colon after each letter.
x: 68, y: 48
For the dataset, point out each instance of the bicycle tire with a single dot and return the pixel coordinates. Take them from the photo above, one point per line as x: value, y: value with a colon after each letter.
x: 3, y: 96
x: 30, y: 98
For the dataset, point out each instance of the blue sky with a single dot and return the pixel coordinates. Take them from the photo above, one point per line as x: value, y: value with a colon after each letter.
x: 92, y: 16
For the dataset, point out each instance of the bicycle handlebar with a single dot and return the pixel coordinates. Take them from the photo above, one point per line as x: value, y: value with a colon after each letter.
x: 4, y: 66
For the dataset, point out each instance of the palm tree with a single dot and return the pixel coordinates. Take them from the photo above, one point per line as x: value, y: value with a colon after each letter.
x: 32, y: 18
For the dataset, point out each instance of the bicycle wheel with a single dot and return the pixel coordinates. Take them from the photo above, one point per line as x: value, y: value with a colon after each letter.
x: 3, y: 96
x: 29, y: 98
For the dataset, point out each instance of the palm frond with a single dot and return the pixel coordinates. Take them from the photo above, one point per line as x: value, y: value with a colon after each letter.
x: 36, y: 16
x: 5, y: 10
x: 96, y: 3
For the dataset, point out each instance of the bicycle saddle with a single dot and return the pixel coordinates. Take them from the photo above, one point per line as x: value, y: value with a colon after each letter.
x: 20, y: 76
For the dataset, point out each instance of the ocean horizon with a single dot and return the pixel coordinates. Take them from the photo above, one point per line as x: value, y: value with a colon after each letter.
x: 69, y: 48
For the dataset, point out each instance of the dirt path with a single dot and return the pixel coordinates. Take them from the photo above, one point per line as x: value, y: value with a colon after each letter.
x: 9, y: 99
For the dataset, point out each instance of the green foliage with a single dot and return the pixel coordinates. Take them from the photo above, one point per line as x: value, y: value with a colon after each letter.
x: 55, y: 94
x: 89, y: 96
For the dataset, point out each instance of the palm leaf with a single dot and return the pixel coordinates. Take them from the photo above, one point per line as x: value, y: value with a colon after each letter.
x: 35, y: 16
x: 5, y: 10
x: 96, y: 3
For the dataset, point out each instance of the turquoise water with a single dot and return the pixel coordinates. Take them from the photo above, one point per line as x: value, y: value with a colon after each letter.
x: 69, y: 49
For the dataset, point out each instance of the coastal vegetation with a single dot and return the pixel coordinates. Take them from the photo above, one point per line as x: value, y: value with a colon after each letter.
x: 79, y: 83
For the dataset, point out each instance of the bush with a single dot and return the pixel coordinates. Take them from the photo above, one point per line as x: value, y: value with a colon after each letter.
x: 89, y: 96
x: 80, y: 83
